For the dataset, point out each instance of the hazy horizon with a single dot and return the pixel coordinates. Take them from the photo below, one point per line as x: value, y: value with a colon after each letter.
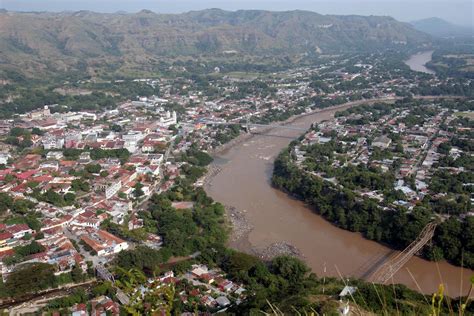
x: 457, y: 12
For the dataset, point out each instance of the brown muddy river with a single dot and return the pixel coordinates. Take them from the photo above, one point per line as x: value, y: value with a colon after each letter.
x: 244, y: 183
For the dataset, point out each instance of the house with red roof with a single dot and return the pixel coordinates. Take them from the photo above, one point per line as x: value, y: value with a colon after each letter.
x: 29, y: 161
x: 6, y: 253
x: 4, y: 172
x: 42, y: 178
x: 79, y: 310
x: 86, y: 222
x: 5, y: 239
x: 21, y: 188
x: 104, y: 306
x: 54, y: 223
x: 19, y: 230
x: 104, y: 243
x: 26, y: 175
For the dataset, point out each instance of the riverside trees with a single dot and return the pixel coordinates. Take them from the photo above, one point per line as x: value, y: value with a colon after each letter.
x: 396, y: 228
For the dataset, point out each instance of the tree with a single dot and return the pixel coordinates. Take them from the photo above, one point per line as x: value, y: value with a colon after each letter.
x: 138, y: 192
x: 104, y: 173
x: 9, y: 178
x: 77, y: 274
x: 37, y: 131
x: 53, y: 197
x: 33, y: 248
x: 129, y: 280
x: 290, y: 268
x: 93, y: 168
x: 122, y: 195
x: 69, y: 198
x: 104, y: 288
x: 116, y: 128
x: 80, y: 185
x: 239, y: 261
x: 143, y: 258
x: 30, y: 278
x: 18, y: 131
x: 6, y: 202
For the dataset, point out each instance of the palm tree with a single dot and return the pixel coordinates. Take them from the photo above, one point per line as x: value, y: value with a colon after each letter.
x: 129, y: 280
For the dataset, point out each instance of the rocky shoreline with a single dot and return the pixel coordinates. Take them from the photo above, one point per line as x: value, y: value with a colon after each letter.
x: 212, y: 171
x: 240, y: 230
x: 278, y: 249
x: 240, y: 226
x: 236, y: 141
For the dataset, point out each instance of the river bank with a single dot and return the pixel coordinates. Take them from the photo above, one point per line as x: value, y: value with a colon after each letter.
x: 418, y: 61
x: 240, y: 226
x: 266, y: 216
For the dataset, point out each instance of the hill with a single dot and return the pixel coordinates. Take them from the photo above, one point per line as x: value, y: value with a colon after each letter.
x: 38, y: 43
x: 440, y: 28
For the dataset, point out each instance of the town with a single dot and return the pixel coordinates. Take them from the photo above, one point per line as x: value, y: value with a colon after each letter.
x: 78, y: 186
x: 402, y: 154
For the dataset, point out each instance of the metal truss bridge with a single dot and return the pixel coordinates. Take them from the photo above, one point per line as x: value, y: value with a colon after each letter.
x: 393, y: 265
x: 247, y: 125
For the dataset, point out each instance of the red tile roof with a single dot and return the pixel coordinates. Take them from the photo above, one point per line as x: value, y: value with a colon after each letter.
x: 17, y: 228
x: 26, y: 174
x: 5, y: 235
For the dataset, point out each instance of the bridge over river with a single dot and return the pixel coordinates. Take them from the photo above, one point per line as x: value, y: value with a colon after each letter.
x: 271, y: 216
x: 386, y: 271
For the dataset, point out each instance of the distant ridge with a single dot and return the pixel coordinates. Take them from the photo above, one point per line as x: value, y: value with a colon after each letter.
x: 440, y: 28
x: 38, y: 43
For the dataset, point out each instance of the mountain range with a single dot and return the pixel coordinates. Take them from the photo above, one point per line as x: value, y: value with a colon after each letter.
x: 41, y: 43
x: 440, y: 28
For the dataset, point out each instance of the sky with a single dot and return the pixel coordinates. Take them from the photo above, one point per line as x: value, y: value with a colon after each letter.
x: 456, y: 11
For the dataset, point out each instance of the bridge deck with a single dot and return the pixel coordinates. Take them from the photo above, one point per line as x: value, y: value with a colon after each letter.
x: 388, y: 270
x: 257, y: 125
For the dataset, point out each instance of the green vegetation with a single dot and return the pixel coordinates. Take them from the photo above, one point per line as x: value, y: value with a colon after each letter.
x: 142, y: 258
x: 29, y: 278
x: 187, y: 231
x: 55, y: 198
x: 254, y: 88
x: 121, y: 54
x: 454, y: 58
x: 339, y: 204
x: 22, y: 252
x: 196, y: 162
x: 196, y: 157
x: 225, y: 135
x: 122, y: 154
x: 284, y: 281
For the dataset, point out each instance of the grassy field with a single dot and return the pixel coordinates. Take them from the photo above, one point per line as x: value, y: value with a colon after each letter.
x: 469, y: 114
x: 243, y: 75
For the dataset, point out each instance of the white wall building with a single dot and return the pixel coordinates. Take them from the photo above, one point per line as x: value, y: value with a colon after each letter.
x: 112, y: 189
x: 169, y: 119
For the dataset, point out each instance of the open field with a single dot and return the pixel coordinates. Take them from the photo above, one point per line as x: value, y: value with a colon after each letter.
x: 469, y: 114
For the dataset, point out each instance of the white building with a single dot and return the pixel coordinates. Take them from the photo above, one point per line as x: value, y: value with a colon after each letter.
x: 4, y: 158
x: 104, y: 243
x: 169, y: 119
x: 54, y: 155
x: 131, y: 141
x: 52, y: 142
x: 382, y: 142
x: 112, y: 189
x: 130, y: 145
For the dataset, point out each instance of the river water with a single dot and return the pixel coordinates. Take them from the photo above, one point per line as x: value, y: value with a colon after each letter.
x: 418, y: 61
x: 244, y: 183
